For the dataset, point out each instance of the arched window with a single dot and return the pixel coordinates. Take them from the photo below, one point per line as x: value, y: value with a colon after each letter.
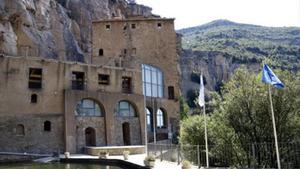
x: 20, y: 130
x: 125, y: 109
x: 152, y: 81
x: 160, y: 118
x: 47, y: 126
x: 88, y: 107
x: 33, y: 98
x: 149, y: 120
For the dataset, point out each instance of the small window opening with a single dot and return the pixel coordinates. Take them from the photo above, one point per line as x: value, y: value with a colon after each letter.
x: 103, y: 79
x: 133, y: 26
x: 20, y: 130
x: 101, y: 52
x: 134, y: 51
x: 47, y: 126
x: 125, y: 51
x: 159, y: 25
x: 107, y: 27
x: 77, y: 80
x: 126, y: 84
x: 125, y: 27
x: 171, y: 92
x: 35, y: 78
x: 34, y: 98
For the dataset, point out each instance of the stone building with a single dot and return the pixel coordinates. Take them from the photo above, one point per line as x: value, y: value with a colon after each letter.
x: 48, y: 105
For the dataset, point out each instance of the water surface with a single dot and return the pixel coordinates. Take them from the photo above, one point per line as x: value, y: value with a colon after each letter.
x: 55, y: 166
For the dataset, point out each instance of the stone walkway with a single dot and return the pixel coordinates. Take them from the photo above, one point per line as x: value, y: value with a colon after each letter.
x: 137, y: 159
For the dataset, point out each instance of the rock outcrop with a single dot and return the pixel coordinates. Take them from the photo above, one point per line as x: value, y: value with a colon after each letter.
x: 57, y: 29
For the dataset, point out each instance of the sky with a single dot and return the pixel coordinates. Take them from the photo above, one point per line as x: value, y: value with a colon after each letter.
x: 190, y: 13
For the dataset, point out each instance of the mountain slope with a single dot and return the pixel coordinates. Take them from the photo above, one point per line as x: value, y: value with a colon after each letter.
x: 218, y: 48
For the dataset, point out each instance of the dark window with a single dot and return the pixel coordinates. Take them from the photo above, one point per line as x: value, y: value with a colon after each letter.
x: 134, y: 51
x: 126, y: 84
x: 34, y: 98
x: 125, y: 27
x: 103, y: 79
x: 35, y: 78
x: 125, y: 51
x: 20, y: 130
x: 133, y: 26
x: 171, y: 92
x: 77, y: 80
x: 159, y: 25
x: 47, y: 126
x: 101, y: 52
x: 107, y: 27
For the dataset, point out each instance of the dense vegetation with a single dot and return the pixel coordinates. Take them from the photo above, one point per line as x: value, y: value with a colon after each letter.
x: 240, y: 127
x: 246, y: 43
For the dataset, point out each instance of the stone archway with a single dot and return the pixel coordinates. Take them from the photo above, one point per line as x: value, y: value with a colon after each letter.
x: 90, y: 136
x: 126, y: 133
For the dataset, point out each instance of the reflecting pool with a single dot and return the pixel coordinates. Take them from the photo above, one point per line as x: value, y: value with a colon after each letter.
x: 55, y: 166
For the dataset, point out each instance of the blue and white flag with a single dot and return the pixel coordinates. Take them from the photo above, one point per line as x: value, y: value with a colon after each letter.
x: 201, y: 100
x: 270, y: 78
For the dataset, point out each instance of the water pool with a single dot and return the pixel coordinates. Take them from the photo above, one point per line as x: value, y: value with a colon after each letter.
x: 55, y: 166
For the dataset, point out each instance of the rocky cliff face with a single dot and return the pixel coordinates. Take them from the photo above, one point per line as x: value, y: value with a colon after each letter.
x: 216, y: 68
x: 57, y: 29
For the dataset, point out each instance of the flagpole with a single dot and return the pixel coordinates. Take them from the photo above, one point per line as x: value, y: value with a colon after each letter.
x: 206, y: 142
x: 274, y: 128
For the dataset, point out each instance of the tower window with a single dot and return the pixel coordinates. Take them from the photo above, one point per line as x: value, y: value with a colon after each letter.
x: 159, y: 25
x: 125, y: 51
x: 171, y: 92
x: 78, y: 80
x: 35, y: 78
x: 133, y: 26
x: 103, y: 79
x: 107, y: 27
x: 47, y: 126
x: 34, y: 98
x: 20, y: 130
x: 101, y: 52
x: 126, y: 84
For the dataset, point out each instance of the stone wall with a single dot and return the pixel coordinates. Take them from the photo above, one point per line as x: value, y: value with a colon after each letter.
x: 97, y: 123
x: 135, y: 131
x: 35, y: 139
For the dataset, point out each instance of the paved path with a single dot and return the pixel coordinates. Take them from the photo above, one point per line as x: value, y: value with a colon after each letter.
x: 137, y: 159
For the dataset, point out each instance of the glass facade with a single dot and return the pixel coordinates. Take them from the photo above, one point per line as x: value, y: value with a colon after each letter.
x: 125, y: 109
x: 152, y: 81
x: 88, y: 107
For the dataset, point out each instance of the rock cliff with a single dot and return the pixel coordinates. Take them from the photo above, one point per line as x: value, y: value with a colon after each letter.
x: 57, y: 29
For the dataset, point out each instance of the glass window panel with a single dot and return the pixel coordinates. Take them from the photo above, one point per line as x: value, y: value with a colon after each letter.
x: 159, y: 78
x: 148, y: 90
x: 124, y: 105
x: 154, y: 90
x: 154, y: 77
x: 160, y: 91
x: 148, y: 76
x: 86, y: 103
x: 87, y: 107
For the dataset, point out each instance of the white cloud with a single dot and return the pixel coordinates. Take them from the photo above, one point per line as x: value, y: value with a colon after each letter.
x: 195, y: 12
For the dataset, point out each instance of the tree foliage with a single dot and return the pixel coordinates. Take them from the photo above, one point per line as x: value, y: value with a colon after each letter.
x: 243, y: 117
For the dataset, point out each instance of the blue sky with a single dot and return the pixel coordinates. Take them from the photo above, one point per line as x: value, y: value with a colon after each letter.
x: 196, y: 12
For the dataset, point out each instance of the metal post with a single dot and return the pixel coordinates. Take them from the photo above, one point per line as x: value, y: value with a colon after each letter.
x: 274, y: 128
x: 146, y: 131
x: 198, y: 155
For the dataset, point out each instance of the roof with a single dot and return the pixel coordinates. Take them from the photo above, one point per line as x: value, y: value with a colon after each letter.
x: 133, y: 19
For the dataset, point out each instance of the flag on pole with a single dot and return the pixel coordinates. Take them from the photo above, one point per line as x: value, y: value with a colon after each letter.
x: 201, y: 93
x: 270, y: 78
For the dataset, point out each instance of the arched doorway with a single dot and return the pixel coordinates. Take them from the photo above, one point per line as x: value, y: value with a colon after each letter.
x: 126, y: 133
x: 90, y: 136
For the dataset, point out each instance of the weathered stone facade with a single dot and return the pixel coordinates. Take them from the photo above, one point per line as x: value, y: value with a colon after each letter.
x: 25, y: 113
